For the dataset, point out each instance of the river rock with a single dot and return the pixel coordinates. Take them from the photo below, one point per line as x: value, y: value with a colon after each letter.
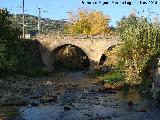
x: 14, y: 102
x: 66, y: 108
x: 142, y: 110
x: 101, y: 90
x: 34, y: 103
x: 105, y: 90
x: 37, y: 95
x: 130, y: 103
x: 47, y: 99
x: 108, y: 117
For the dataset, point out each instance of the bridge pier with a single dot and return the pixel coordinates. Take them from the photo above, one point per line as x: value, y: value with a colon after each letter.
x: 94, y: 61
x: 92, y: 67
x: 47, y: 59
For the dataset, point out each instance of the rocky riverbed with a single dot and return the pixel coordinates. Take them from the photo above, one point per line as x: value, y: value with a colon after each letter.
x: 71, y: 96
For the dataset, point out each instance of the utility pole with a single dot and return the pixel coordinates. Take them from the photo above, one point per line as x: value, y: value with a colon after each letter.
x: 39, y: 19
x: 69, y: 15
x: 23, y: 21
x: 15, y: 16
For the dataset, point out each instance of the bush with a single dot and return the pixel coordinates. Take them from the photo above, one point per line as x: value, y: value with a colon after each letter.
x: 141, y: 41
x: 113, y: 77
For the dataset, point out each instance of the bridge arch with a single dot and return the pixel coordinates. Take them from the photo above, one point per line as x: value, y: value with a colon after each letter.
x: 73, y: 57
x: 104, y: 57
x: 94, y: 48
x: 108, y: 59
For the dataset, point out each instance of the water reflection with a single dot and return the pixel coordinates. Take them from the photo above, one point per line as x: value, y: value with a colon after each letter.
x: 130, y: 95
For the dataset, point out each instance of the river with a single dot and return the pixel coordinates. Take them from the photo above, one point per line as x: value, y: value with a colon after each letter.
x: 78, y: 96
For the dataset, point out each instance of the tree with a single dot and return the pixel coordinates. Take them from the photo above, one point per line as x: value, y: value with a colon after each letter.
x: 88, y: 23
x: 8, y: 42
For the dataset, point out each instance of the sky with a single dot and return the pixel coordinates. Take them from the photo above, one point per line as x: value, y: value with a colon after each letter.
x: 58, y: 9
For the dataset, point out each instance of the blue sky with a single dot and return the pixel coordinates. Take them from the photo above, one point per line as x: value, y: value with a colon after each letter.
x: 57, y: 9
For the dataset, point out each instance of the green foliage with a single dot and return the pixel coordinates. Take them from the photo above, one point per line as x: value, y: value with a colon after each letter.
x: 16, y: 55
x: 47, y: 25
x: 141, y: 41
x: 8, y: 42
x: 113, y: 77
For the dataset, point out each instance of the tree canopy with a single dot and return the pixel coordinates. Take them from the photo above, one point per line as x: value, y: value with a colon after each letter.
x: 8, y: 41
x: 88, y: 23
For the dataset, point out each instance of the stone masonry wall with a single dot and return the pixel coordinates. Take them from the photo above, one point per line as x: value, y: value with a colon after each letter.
x: 93, y: 47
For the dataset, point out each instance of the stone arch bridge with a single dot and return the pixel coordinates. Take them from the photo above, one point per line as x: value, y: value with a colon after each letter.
x: 93, y: 47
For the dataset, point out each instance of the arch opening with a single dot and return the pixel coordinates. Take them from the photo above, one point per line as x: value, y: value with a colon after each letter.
x: 103, y: 59
x: 107, y: 60
x: 69, y: 58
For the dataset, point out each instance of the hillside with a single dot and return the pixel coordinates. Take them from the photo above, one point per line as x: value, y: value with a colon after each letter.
x: 31, y: 23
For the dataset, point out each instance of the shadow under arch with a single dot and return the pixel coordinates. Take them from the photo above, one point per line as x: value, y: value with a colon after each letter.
x: 69, y: 57
x: 104, y: 57
x: 107, y: 56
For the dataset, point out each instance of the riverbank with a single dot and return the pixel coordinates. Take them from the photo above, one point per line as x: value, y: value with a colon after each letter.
x: 70, y: 95
x: 20, y: 90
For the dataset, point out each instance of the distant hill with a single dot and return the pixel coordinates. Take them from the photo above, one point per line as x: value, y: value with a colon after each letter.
x: 31, y: 23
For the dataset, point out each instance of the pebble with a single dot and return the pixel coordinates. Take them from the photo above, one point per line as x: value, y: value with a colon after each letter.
x: 34, y: 104
x: 48, y: 99
x: 130, y: 103
x: 66, y: 108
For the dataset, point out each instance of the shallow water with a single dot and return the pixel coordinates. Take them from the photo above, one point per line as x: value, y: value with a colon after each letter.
x: 8, y: 113
x: 79, y: 99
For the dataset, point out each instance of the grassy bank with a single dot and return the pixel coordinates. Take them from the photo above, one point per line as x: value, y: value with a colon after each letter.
x: 112, y: 80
